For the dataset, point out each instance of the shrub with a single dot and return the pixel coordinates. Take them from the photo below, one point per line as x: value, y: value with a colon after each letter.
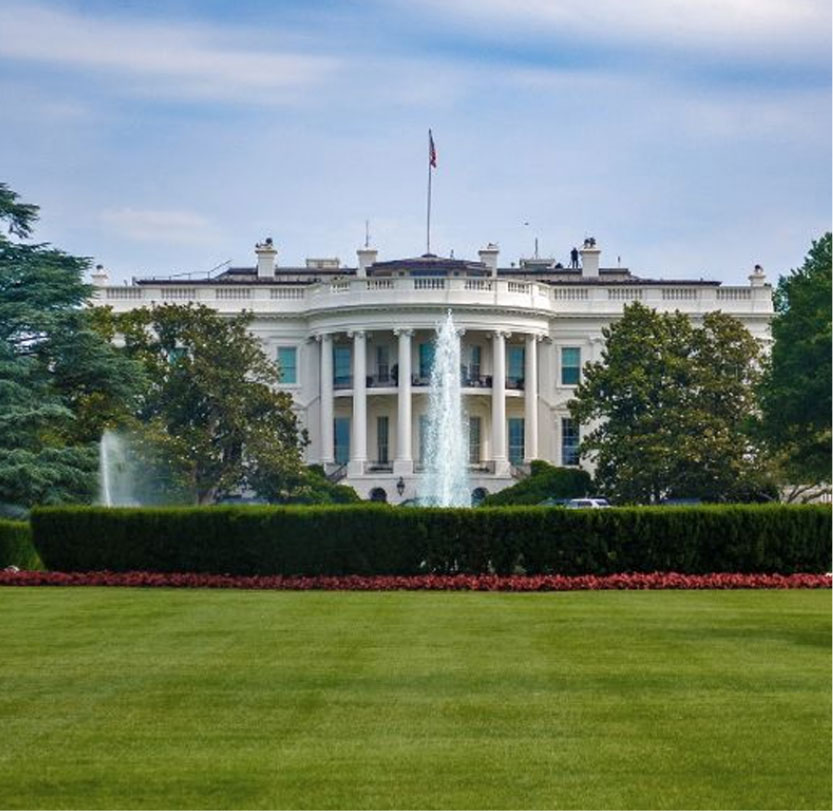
x: 544, y: 481
x: 16, y: 548
x: 369, y: 539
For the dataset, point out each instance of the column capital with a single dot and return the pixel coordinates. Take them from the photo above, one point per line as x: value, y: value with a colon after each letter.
x: 356, y: 333
x: 407, y: 331
x: 322, y: 336
x: 500, y: 333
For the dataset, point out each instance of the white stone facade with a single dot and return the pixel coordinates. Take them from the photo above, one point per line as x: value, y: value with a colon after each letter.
x: 358, y: 340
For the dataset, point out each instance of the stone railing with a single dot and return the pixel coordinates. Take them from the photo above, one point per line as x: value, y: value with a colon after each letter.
x: 386, y: 293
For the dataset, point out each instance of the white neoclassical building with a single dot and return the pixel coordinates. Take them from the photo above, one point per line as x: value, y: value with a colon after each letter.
x: 355, y: 348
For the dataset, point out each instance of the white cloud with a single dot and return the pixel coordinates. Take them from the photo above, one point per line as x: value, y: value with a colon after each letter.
x: 769, y: 29
x: 161, y: 226
x: 182, y: 60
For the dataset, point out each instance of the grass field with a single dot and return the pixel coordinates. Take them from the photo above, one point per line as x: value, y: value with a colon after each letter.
x: 123, y: 698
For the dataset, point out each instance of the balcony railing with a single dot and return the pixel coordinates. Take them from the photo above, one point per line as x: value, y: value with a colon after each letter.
x: 476, y: 381
x: 603, y: 298
x: 389, y: 380
x: 381, y: 380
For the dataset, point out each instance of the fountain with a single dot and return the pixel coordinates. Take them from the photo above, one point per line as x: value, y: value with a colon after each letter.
x: 446, y: 481
x: 116, y: 479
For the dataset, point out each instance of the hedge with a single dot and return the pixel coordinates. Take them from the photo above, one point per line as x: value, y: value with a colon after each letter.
x: 16, y: 547
x: 369, y: 539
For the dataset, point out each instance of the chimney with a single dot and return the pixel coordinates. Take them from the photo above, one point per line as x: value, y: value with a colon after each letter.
x: 488, y: 256
x: 266, y: 255
x: 590, y: 258
x: 757, y: 278
x: 367, y: 257
x: 100, y: 276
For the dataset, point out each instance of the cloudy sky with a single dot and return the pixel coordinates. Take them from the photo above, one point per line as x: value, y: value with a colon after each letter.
x: 692, y: 138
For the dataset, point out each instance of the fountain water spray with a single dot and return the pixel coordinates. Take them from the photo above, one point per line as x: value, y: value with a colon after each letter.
x: 116, y: 475
x: 446, y: 482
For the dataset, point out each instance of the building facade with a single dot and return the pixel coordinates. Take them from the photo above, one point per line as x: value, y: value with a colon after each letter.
x: 355, y: 348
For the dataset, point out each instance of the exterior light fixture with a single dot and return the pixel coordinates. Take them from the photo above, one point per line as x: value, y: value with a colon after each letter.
x: 400, y: 486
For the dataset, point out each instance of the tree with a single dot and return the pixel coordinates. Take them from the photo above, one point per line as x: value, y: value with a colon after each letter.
x: 670, y: 406
x: 310, y: 486
x: 210, y: 398
x: 544, y: 481
x: 53, y: 368
x: 796, y: 388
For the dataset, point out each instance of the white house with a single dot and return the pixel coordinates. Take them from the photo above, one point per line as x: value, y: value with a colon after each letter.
x: 355, y: 348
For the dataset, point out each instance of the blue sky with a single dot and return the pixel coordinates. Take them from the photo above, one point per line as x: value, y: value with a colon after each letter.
x: 692, y: 138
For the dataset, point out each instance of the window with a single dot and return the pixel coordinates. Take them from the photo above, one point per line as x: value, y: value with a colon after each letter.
x: 177, y: 354
x: 570, y: 365
x: 426, y: 360
x: 516, y: 440
x: 288, y: 364
x: 474, y: 440
x: 382, y: 453
x: 570, y: 439
x: 382, y: 366
x: 474, y: 364
x: 341, y: 436
x: 515, y: 365
x: 342, y: 367
x: 478, y: 495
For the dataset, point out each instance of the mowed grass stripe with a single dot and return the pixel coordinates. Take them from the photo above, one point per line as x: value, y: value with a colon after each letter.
x: 125, y: 698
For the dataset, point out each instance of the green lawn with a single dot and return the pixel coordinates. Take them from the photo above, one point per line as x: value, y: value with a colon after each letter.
x: 120, y: 698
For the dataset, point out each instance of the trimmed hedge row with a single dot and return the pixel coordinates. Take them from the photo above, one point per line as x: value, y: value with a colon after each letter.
x: 16, y: 547
x: 370, y: 539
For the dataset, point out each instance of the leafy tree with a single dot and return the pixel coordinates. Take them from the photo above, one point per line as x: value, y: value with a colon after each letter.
x: 544, y: 481
x: 210, y: 398
x: 669, y: 407
x: 796, y: 389
x: 310, y: 486
x: 60, y: 382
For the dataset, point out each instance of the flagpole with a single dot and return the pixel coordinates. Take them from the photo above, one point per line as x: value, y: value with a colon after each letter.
x: 428, y: 223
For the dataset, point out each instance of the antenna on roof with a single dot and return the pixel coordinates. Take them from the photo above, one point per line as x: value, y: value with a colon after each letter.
x: 367, y: 233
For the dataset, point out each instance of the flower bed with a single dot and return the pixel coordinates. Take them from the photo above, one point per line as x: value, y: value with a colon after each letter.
x: 431, y: 582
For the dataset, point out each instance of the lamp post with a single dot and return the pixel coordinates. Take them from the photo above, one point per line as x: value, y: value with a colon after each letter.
x: 400, y: 486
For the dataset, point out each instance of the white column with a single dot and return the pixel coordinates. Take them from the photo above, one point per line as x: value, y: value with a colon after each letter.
x: 326, y: 429
x: 531, y: 399
x: 403, y: 462
x: 358, y: 447
x: 499, y: 403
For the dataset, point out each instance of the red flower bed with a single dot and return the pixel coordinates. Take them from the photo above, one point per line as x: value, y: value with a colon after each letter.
x: 429, y: 582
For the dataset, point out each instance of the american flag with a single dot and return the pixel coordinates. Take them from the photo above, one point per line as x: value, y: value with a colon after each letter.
x: 432, y: 152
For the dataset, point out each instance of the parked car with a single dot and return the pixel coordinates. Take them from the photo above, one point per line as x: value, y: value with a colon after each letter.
x: 587, y: 503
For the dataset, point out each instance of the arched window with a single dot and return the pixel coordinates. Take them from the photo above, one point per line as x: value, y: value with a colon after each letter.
x: 378, y: 494
x: 477, y: 496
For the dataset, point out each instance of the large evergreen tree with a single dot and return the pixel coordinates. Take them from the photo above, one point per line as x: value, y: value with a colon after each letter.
x: 60, y: 382
x: 796, y: 390
x: 669, y: 406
